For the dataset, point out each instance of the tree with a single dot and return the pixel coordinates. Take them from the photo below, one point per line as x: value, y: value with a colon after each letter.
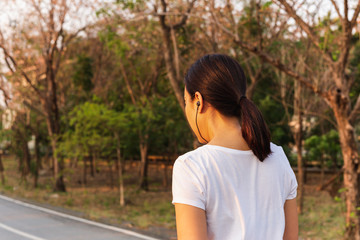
x: 335, y: 89
x: 95, y: 127
x: 35, y: 57
x: 140, y: 68
x: 171, y: 53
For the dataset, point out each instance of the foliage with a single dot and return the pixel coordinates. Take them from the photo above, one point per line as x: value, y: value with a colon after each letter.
x: 325, y: 147
x: 83, y: 73
x: 170, y: 131
x: 91, y: 129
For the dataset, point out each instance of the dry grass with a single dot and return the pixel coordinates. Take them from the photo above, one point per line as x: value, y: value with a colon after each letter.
x: 323, y: 215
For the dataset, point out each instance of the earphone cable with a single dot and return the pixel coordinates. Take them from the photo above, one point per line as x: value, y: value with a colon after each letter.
x: 197, y: 110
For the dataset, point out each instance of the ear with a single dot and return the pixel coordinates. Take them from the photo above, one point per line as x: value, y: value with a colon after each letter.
x: 198, y: 98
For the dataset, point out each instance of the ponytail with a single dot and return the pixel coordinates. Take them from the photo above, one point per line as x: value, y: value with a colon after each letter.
x: 254, y: 129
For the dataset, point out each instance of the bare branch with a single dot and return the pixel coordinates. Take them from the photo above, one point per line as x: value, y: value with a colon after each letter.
x: 9, y: 57
x: 215, y: 19
x: 356, y: 15
x: 58, y: 60
x: 278, y: 64
x: 164, y: 13
x: 306, y: 28
x: 128, y: 86
x: 162, y: 17
x: 155, y: 73
x: 323, y: 116
x: 60, y: 31
x: 185, y: 16
x: 55, y: 42
x: 346, y: 10
x: 64, y: 42
x: 35, y: 108
x: 275, y: 62
x: 75, y: 34
x: 176, y: 53
x: 337, y: 9
x: 305, y: 111
x: 6, y: 95
x: 229, y: 8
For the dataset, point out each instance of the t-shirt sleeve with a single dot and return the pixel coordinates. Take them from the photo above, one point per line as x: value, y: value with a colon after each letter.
x: 290, y: 178
x: 187, y: 187
x: 293, y: 185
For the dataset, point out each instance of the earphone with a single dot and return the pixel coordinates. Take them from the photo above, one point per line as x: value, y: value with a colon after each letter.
x: 197, y: 110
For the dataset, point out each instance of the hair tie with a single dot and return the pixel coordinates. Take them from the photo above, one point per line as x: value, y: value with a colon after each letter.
x: 241, y: 98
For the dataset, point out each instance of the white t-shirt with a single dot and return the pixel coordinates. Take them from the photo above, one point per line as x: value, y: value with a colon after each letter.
x: 243, y: 198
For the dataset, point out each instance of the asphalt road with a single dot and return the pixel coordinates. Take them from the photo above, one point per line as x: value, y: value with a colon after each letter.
x: 23, y: 221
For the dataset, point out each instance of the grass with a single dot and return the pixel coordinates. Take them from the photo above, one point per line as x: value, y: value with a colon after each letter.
x: 323, y: 217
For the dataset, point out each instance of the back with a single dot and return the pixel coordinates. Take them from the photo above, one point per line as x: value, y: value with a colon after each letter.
x: 243, y: 198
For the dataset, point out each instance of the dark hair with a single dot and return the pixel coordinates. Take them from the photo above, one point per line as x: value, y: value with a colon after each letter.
x: 222, y: 83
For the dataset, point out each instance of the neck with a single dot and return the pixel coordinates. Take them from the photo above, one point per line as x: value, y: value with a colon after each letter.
x: 226, y: 132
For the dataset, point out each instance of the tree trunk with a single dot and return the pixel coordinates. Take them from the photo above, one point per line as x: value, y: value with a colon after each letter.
x: 2, y: 170
x: 74, y: 162
x: 58, y: 167
x: 84, y: 170
x: 92, y: 165
x: 322, y: 170
x: 25, y: 161
x: 53, y: 149
x: 53, y: 126
x: 60, y: 184
x: 120, y: 174
x: 38, y: 161
x: 111, y: 175
x: 251, y: 90
x: 305, y: 172
x: 351, y: 172
x: 48, y: 159
x: 165, y: 176
x: 144, y: 167
x: 27, y: 157
x: 298, y: 135
x: 170, y: 68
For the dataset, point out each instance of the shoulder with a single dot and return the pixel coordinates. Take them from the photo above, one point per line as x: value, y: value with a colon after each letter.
x: 278, y: 156
x: 194, y: 161
x: 194, y: 153
x: 278, y: 152
x: 191, y: 158
x: 275, y: 148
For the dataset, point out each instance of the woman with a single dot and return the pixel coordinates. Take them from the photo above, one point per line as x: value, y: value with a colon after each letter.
x: 239, y: 185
